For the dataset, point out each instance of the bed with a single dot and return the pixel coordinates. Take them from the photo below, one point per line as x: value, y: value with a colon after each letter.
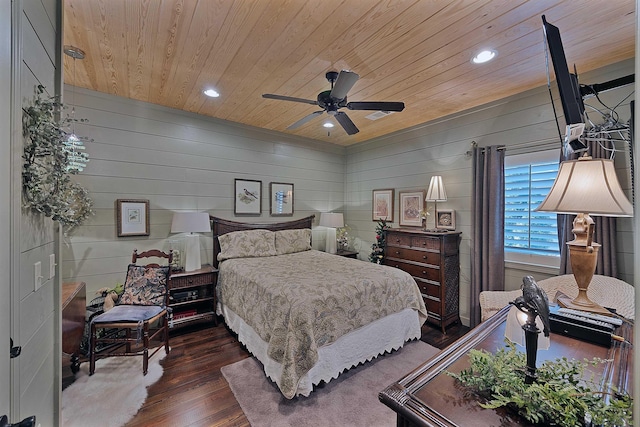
x: 306, y: 315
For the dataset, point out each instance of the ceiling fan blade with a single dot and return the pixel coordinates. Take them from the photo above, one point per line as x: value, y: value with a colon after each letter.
x: 289, y: 98
x: 305, y: 119
x: 377, y: 106
x: 344, y: 83
x: 346, y: 123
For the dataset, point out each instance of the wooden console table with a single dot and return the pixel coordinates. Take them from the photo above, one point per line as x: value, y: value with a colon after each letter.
x: 74, y: 308
x: 429, y: 397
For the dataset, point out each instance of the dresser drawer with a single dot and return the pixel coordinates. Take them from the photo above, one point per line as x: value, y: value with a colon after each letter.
x: 395, y: 239
x: 431, y: 290
x: 425, y: 242
x: 433, y: 308
x: 419, y: 271
x: 414, y: 255
x: 191, y: 281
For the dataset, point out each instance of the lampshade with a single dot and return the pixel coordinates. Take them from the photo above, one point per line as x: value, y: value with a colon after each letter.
x: 190, y: 222
x: 331, y: 219
x: 587, y: 185
x: 436, y: 192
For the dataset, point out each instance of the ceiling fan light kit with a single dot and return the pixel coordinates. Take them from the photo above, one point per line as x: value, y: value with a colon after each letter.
x: 336, y: 98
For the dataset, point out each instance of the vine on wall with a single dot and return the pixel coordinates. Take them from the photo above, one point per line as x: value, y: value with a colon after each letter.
x: 46, y: 176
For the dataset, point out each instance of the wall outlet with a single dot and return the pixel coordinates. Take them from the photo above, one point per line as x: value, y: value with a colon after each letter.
x: 37, y: 275
x: 52, y: 265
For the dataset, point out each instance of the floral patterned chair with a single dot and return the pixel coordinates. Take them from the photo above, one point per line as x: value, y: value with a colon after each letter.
x: 141, y: 306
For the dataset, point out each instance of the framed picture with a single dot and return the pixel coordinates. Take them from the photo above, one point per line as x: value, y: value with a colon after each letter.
x: 446, y: 219
x: 280, y: 199
x: 248, y: 197
x: 411, y: 204
x: 382, y: 205
x: 132, y: 217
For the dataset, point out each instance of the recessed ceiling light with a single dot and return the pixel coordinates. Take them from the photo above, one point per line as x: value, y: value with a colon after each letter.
x: 328, y: 125
x: 484, y: 56
x: 212, y: 93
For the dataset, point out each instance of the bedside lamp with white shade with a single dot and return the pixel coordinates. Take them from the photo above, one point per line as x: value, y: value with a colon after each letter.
x: 436, y: 193
x: 192, y: 223
x: 331, y: 220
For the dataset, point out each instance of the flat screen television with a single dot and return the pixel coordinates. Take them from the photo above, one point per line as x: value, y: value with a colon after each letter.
x: 568, y: 87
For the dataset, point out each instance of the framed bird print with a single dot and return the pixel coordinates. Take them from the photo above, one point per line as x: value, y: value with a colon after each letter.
x: 248, y: 197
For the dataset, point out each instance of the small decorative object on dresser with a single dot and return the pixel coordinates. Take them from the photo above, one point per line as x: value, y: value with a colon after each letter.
x: 433, y: 260
x: 411, y: 205
x: 192, y: 297
x: 446, y: 219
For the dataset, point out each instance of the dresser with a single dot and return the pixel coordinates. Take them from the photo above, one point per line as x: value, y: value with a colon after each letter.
x: 74, y: 306
x: 433, y: 259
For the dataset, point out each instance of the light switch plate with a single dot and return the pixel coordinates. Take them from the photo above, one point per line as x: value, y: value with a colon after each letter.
x: 52, y: 265
x: 37, y: 275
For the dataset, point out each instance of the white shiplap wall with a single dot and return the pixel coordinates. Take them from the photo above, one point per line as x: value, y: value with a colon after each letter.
x: 182, y: 161
x: 407, y: 160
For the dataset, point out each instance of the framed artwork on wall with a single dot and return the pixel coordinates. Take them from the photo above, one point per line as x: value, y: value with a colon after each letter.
x: 382, y: 205
x: 446, y: 219
x: 411, y: 204
x: 280, y: 199
x: 248, y: 197
x: 132, y: 217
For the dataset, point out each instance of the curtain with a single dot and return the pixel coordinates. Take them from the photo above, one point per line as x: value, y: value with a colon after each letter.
x: 487, y: 225
x: 605, y: 227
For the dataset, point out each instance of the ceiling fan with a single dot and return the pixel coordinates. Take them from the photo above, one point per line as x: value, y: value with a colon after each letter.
x: 332, y: 100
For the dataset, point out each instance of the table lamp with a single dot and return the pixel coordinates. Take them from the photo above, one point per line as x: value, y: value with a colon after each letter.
x: 331, y: 220
x: 436, y: 193
x: 191, y: 222
x: 583, y: 187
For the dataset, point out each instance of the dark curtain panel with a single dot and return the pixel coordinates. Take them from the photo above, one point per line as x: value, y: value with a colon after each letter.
x: 487, y: 225
x: 605, y: 227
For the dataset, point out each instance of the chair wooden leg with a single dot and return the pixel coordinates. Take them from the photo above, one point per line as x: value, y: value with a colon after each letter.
x: 166, y: 334
x: 128, y: 346
x: 145, y: 350
x: 92, y: 350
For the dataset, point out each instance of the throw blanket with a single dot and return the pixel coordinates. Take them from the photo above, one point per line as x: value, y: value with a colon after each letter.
x: 300, y: 302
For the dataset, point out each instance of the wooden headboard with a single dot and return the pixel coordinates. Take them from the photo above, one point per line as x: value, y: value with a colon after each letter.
x: 223, y: 226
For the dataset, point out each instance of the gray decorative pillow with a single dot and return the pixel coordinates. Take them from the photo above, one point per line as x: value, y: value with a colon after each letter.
x: 247, y: 244
x: 145, y: 285
x: 290, y: 241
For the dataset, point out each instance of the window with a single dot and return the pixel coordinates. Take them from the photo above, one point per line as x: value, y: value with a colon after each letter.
x: 530, y: 237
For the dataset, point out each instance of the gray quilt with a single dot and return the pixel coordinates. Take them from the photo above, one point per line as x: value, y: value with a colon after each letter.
x: 300, y: 302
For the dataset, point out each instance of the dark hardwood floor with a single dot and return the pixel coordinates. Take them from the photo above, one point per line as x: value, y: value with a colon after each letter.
x: 192, y: 391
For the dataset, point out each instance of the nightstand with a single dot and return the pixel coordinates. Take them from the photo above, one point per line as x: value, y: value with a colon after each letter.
x: 192, y: 296
x: 347, y: 254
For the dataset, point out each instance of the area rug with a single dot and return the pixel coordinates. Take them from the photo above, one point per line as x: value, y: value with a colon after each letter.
x: 112, y: 395
x: 349, y: 400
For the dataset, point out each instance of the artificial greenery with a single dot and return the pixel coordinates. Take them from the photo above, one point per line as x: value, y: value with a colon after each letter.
x: 563, y: 395
x: 377, y: 249
x: 47, y: 185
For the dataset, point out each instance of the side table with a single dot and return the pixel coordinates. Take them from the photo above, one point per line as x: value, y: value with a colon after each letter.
x: 192, y: 296
x: 347, y: 254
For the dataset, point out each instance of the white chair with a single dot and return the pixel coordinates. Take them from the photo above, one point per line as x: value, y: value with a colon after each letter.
x: 604, y: 290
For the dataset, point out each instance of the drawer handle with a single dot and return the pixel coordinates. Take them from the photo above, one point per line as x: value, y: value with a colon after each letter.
x: 424, y: 243
x: 424, y: 257
x: 424, y: 272
x: 397, y: 252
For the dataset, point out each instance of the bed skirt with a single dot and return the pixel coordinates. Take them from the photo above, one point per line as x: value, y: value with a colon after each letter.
x: 363, y: 344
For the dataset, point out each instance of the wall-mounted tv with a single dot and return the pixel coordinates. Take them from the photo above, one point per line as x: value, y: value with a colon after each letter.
x: 568, y: 86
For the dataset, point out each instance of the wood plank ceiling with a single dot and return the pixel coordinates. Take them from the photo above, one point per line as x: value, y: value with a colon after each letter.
x: 168, y: 51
